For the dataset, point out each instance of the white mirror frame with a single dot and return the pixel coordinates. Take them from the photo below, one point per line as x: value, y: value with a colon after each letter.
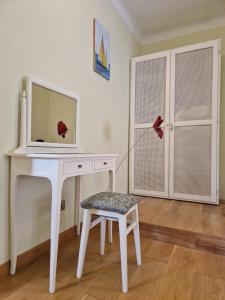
x: 26, y: 145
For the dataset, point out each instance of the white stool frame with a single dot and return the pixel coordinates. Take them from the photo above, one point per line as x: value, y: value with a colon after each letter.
x: 123, y: 232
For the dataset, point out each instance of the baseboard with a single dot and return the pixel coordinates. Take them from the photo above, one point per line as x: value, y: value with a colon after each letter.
x: 4, y: 269
x: 33, y: 254
x: 183, y: 238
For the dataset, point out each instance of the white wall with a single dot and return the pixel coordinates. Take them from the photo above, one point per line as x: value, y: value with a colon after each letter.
x: 52, y: 40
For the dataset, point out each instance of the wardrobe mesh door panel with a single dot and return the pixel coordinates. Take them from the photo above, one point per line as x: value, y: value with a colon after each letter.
x: 193, y: 85
x: 149, y: 103
x: 150, y: 89
x: 191, y: 146
x: 192, y: 160
x: 148, y: 161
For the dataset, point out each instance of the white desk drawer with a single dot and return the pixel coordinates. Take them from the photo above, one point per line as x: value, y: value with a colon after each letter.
x: 103, y: 164
x: 77, y: 166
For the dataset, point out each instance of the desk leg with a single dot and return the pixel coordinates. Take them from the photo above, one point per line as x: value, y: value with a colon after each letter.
x: 13, y: 225
x: 111, y: 189
x: 77, y: 202
x: 55, y: 222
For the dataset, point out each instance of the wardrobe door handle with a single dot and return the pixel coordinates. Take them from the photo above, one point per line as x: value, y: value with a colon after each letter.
x: 80, y: 166
x: 105, y: 163
x: 169, y: 126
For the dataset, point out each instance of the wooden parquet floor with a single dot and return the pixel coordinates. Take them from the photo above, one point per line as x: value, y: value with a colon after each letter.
x: 168, y: 272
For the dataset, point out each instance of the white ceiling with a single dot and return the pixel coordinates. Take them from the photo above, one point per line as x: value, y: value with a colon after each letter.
x: 155, y: 20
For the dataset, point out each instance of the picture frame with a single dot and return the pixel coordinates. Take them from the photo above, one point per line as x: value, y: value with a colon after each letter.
x: 101, y: 50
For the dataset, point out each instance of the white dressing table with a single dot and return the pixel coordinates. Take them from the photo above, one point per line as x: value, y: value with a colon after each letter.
x: 56, y: 168
x: 49, y: 148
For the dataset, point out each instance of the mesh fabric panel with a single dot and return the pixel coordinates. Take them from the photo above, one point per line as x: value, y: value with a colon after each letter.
x: 192, y: 160
x: 193, y: 86
x: 148, y: 160
x: 150, y: 88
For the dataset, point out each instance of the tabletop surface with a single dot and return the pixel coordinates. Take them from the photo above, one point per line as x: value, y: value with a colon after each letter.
x: 61, y: 155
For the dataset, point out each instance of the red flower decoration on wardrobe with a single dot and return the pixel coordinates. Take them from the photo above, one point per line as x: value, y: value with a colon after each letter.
x: 157, y: 128
x: 62, y: 129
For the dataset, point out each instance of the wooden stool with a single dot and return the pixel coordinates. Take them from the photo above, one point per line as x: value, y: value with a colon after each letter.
x: 113, y: 207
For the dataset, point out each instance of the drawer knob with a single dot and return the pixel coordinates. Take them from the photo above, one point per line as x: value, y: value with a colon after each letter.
x: 80, y: 166
x: 105, y: 163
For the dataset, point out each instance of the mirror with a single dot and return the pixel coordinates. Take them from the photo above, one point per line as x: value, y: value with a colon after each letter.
x: 52, y: 115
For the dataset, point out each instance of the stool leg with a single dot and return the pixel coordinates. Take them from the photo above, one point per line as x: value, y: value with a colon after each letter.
x: 102, y: 236
x: 110, y: 228
x: 83, y: 242
x: 123, y: 251
x: 137, y: 235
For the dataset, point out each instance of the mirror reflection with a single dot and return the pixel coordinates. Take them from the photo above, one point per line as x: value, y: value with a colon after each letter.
x: 53, y: 116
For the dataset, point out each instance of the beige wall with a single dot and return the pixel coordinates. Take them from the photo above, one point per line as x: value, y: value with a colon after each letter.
x: 191, y: 39
x: 52, y: 40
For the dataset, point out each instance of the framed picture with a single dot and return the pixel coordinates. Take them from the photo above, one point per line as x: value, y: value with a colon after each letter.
x: 101, y: 50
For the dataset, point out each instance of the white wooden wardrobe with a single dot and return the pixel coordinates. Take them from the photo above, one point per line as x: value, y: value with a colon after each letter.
x: 182, y: 86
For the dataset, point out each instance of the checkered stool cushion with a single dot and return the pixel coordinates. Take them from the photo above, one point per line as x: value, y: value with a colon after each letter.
x: 116, y: 202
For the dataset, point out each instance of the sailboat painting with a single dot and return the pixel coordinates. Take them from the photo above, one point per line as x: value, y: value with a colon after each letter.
x: 101, y: 50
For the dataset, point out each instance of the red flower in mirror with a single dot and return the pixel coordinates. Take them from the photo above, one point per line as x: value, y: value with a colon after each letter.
x: 62, y: 129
